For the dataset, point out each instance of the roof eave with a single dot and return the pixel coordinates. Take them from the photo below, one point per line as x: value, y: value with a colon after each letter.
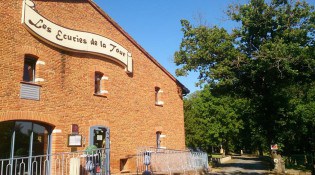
x: 185, y: 89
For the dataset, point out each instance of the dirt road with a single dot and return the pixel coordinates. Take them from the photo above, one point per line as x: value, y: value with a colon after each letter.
x: 242, y: 165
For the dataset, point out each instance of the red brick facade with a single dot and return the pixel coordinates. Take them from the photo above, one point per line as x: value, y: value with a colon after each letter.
x: 67, y: 90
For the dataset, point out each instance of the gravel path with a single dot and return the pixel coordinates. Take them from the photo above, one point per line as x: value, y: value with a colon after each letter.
x: 242, y: 165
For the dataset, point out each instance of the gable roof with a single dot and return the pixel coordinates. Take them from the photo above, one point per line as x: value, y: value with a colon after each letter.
x: 96, y: 7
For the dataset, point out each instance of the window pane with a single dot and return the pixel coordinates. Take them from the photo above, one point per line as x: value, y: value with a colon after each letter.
x: 157, y: 98
x: 29, y: 69
x: 98, y: 77
x: 23, y: 131
x: 6, y: 131
x: 99, y: 139
x: 40, y: 140
x: 26, y: 76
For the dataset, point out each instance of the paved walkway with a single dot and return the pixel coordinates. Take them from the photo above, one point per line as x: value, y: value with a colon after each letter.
x: 242, y: 165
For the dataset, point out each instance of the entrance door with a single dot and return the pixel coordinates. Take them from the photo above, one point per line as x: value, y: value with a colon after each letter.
x: 99, y: 136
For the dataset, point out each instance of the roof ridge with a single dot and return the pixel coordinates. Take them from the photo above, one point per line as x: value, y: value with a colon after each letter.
x: 117, y: 26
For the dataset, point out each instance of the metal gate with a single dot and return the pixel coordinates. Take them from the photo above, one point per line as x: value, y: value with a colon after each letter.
x: 170, y: 161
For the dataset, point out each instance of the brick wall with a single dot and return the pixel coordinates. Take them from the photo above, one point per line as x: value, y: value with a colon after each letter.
x: 128, y: 109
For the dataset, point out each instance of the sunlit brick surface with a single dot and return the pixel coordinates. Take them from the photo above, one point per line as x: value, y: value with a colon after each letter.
x: 66, y: 95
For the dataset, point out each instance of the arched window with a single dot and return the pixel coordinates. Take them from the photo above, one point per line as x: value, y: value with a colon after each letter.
x: 24, y: 139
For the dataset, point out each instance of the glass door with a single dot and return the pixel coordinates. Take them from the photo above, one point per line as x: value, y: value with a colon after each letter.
x: 99, y: 136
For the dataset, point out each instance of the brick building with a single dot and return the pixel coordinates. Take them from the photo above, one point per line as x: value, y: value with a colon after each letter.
x: 67, y: 69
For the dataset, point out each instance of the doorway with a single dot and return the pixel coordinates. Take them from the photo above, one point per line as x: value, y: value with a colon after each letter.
x: 100, y: 137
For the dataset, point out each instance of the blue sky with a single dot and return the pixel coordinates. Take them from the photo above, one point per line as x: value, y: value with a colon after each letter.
x: 155, y: 24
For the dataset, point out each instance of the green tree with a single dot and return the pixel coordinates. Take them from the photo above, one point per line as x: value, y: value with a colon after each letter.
x: 268, y: 60
x: 212, y: 121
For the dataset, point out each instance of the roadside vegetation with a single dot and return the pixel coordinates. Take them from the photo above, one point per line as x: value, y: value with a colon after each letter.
x: 258, y: 81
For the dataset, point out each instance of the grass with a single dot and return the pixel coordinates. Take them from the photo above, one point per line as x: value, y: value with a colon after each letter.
x: 216, y: 156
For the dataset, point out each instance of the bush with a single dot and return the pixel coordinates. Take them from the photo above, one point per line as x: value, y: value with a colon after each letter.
x: 90, y: 149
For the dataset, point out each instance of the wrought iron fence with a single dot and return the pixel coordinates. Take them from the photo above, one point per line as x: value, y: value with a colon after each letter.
x: 170, y: 161
x: 72, y: 163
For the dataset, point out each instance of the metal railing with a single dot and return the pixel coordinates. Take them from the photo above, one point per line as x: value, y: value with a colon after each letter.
x: 72, y: 163
x: 170, y: 161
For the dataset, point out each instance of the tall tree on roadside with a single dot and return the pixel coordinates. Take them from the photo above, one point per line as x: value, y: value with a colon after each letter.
x: 213, y: 121
x: 267, y: 60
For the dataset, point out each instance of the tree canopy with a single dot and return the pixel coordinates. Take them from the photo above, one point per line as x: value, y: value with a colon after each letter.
x: 218, y: 119
x: 268, y: 63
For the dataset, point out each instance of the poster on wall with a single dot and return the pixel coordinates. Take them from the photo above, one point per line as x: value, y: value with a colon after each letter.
x: 99, y: 137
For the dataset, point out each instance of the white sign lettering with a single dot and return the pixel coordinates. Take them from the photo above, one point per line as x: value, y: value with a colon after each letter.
x: 73, y: 40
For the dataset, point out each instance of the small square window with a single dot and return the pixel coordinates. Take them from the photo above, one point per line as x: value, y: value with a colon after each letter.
x: 29, y: 69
